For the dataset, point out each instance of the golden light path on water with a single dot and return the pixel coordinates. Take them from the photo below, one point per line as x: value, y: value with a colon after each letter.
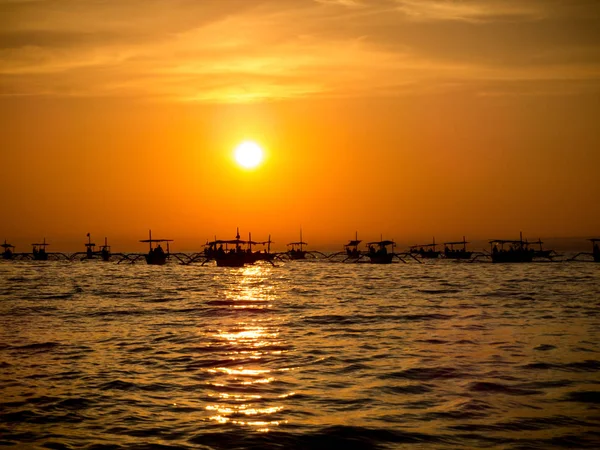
x: 240, y: 384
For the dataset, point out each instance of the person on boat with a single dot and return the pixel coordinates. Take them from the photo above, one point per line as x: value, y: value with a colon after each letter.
x: 596, y: 249
x: 159, y: 250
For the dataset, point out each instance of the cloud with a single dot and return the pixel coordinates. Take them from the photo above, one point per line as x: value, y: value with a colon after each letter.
x: 242, y: 50
x: 474, y: 11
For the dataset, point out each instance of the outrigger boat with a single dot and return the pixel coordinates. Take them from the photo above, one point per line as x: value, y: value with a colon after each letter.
x: 156, y: 256
x: 595, y: 253
x: 425, y: 250
x: 8, y: 252
x: 225, y: 256
x: 296, y: 251
x: 458, y: 253
x: 518, y: 251
x: 351, y: 251
x: 105, y: 253
x: 39, y: 251
x: 230, y: 253
x: 91, y: 252
x: 380, y: 255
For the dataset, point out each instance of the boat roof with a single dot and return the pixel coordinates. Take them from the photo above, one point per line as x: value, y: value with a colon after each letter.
x: 156, y: 240
x: 353, y: 243
x: 5, y: 245
x: 426, y: 245
x: 456, y: 242
x: 297, y: 243
x: 41, y: 245
x: 507, y: 241
x: 384, y: 243
x: 595, y: 240
x: 228, y: 241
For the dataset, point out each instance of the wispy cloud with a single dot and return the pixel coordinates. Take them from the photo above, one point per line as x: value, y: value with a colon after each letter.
x: 471, y: 10
x: 242, y: 50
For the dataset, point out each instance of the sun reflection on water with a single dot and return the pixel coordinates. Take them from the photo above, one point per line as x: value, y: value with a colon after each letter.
x: 244, y: 394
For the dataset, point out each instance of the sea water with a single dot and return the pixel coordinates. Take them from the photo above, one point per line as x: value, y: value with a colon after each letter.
x: 302, y: 355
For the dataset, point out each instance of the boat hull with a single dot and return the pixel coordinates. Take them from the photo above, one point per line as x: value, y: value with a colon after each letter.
x: 156, y: 259
x: 512, y: 257
x: 458, y: 255
x: 381, y: 259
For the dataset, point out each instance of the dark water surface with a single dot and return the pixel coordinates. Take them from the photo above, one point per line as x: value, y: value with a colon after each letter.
x: 304, y: 355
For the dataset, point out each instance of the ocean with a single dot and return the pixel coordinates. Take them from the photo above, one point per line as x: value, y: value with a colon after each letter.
x: 304, y: 355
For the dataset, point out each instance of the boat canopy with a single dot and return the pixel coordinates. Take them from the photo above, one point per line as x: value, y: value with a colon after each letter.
x: 41, y: 245
x: 426, y: 245
x: 456, y: 243
x: 228, y: 241
x: 297, y: 243
x: 507, y: 241
x: 157, y: 240
x: 5, y: 245
x: 381, y: 243
x: 595, y: 240
x: 353, y: 243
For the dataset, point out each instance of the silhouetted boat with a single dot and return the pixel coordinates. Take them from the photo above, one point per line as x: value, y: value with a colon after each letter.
x: 38, y: 251
x: 228, y: 253
x: 518, y: 251
x: 156, y: 256
x: 378, y: 252
x: 595, y: 250
x: 351, y: 248
x: 296, y: 250
x: 457, y: 253
x: 105, y: 253
x: 89, y: 248
x: 8, y: 252
x: 426, y: 250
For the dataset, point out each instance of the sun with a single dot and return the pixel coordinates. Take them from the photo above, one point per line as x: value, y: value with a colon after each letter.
x: 248, y: 154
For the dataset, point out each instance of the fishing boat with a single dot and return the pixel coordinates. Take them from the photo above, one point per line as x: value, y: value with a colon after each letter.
x: 457, y: 253
x: 518, y: 251
x: 350, y: 253
x: 595, y: 250
x: 8, y: 252
x: 105, y: 253
x: 378, y: 252
x: 296, y: 250
x: 38, y: 251
x: 156, y: 256
x: 89, y: 248
x: 426, y: 251
x: 227, y: 253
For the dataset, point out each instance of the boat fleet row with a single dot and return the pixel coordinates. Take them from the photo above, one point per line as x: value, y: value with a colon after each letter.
x: 238, y: 252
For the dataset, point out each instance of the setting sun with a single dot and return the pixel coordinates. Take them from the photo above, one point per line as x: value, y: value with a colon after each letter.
x: 248, y: 154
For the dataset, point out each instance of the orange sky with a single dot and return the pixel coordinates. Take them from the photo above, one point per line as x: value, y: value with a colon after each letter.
x: 407, y: 118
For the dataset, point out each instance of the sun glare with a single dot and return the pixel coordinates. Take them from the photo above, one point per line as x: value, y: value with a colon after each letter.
x: 248, y: 154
